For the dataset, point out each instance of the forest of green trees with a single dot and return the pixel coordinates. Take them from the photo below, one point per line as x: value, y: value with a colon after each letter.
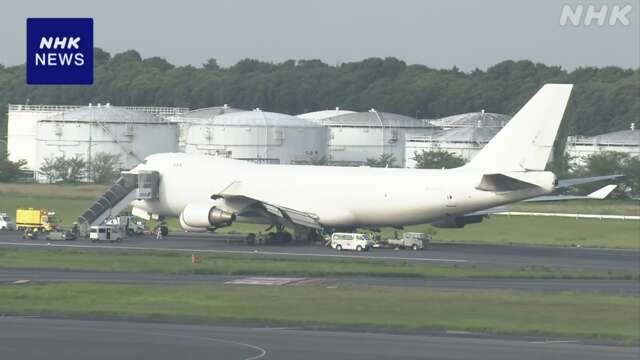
x: 604, y: 99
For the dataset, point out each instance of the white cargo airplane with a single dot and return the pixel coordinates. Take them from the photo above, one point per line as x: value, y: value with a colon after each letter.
x: 209, y: 192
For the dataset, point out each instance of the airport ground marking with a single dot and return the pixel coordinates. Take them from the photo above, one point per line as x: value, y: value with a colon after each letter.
x: 261, y: 280
x: 554, y: 342
x: 261, y: 351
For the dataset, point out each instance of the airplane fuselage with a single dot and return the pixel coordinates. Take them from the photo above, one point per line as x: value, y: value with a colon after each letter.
x: 338, y: 196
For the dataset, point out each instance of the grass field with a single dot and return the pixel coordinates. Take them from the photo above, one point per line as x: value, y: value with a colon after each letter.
x: 603, y: 207
x: 70, y: 201
x: 566, y: 314
x: 249, y: 265
x: 536, y: 230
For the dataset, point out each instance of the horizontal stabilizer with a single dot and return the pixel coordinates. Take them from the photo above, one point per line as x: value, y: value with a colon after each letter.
x: 603, y: 192
x: 501, y: 182
x: 599, y: 194
x: 565, y: 183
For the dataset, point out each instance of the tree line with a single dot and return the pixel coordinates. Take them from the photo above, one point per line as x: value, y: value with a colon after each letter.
x: 604, y: 99
x: 104, y: 168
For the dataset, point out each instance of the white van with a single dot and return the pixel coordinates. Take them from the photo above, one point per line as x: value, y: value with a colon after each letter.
x: 6, y: 223
x: 105, y: 233
x: 350, y: 241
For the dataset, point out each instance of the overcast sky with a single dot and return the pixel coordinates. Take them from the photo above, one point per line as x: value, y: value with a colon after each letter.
x: 437, y: 33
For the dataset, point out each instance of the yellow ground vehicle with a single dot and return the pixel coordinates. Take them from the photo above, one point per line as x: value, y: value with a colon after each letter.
x: 36, y: 220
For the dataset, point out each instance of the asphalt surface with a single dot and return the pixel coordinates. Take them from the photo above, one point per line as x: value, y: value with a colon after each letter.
x: 609, y: 287
x: 52, y: 339
x: 574, y: 259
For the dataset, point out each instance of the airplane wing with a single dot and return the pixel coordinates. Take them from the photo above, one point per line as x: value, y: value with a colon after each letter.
x: 234, y: 193
x: 493, y: 210
x: 565, y: 183
x: 599, y: 194
x: 294, y: 216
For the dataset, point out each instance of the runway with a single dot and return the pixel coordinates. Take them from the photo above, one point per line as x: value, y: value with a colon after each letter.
x: 573, y: 259
x: 51, y: 339
x: 609, y: 287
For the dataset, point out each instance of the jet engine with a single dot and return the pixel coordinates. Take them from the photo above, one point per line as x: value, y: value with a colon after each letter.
x: 201, y: 216
x: 188, y: 228
x: 458, y: 221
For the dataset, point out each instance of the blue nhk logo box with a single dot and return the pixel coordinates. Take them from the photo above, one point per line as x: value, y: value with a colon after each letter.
x: 59, y: 51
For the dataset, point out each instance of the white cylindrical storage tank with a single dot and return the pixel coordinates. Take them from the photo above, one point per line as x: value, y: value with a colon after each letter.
x: 132, y: 135
x: 465, y: 142
x: 356, y: 137
x: 474, y: 119
x: 462, y: 134
x: 22, y: 127
x: 319, y: 116
x: 580, y: 148
x: 259, y: 136
x: 185, y: 120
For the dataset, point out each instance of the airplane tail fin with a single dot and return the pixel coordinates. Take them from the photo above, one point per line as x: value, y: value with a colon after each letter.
x: 526, y: 142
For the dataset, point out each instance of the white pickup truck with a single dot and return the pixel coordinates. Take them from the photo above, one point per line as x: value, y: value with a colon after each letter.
x: 127, y: 224
x: 409, y: 240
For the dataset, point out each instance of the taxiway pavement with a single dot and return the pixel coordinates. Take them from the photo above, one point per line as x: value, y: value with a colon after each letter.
x: 52, y: 339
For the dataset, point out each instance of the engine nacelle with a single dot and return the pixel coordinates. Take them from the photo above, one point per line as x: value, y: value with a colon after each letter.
x: 458, y: 221
x: 188, y: 228
x: 205, y: 215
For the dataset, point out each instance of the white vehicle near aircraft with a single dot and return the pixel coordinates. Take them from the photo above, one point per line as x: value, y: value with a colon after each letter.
x: 207, y: 192
x: 127, y: 224
x: 6, y: 223
x: 351, y: 241
x: 105, y: 233
x: 408, y: 240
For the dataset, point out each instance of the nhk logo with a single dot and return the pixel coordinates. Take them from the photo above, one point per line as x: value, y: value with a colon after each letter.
x: 59, y: 51
x: 591, y: 15
x: 55, y: 58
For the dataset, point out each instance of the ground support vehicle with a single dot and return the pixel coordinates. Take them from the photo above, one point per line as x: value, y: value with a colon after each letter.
x: 58, y: 235
x: 105, y: 233
x: 6, y: 223
x: 39, y: 220
x: 409, y: 240
x: 350, y: 241
x: 128, y: 224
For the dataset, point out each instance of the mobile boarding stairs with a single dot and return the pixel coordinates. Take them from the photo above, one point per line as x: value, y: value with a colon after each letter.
x: 143, y: 185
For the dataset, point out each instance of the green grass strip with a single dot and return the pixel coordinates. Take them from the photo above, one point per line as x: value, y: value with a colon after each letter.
x: 499, y: 312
